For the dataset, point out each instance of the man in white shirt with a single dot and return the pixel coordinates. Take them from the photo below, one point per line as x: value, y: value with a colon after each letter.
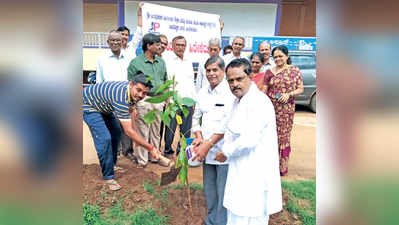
x: 265, y: 49
x: 238, y: 44
x: 129, y: 47
x: 213, y: 105
x: 182, y: 69
x: 253, y: 186
x: 214, y: 48
x: 112, y: 65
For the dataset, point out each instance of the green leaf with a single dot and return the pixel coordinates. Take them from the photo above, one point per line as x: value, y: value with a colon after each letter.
x: 175, y: 96
x: 165, y: 117
x: 180, y: 159
x: 160, y: 98
x: 157, y: 99
x: 188, y: 102
x: 183, y: 143
x: 179, y: 101
x: 183, y: 175
x: 149, y: 117
x: 173, y: 110
x: 185, y: 112
x: 164, y: 86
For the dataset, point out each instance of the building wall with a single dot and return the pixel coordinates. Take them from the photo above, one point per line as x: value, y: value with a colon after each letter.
x: 260, y: 21
x: 99, y: 17
x: 298, y: 18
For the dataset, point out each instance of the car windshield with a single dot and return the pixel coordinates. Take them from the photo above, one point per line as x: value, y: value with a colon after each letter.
x: 304, y: 61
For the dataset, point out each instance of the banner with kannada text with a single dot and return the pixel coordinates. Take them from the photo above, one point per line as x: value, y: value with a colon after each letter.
x: 196, y: 27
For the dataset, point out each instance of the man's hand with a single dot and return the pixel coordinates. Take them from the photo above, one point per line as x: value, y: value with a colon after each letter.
x: 139, y: 17
x: 196, y: 143
x: 220, y: 157
x: 139, y: 8
x: 155, y: 153
x: 201, y: 151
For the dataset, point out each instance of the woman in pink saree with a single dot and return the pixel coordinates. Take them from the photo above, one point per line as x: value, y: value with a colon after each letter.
x: 282, y: 84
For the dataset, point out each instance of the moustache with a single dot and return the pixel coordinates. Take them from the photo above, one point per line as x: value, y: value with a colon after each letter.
x: 236, y: 88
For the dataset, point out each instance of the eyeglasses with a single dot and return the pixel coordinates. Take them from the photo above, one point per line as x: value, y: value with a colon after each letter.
x: 114, y: 40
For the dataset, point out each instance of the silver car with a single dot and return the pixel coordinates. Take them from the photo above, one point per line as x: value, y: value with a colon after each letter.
x: 306, y: 61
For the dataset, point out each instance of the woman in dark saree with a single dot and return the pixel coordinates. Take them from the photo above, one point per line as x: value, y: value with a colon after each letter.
x: 282, y: 84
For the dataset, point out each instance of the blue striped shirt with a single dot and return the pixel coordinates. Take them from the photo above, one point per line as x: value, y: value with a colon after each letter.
x: 108, y: 97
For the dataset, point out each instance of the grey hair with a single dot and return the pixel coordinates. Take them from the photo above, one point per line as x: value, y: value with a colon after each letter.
x: 265, y: 42
x: 215, y: 41
x: 242, y: 38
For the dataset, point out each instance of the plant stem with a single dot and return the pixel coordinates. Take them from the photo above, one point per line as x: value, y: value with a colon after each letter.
x: 189, y: 199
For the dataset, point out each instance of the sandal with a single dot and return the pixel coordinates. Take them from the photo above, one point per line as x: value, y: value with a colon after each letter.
x: 139, y: 166
x: 113, y: 185
x: 116, y: 168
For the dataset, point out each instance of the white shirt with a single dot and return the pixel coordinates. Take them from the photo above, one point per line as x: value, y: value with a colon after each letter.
x: 130, y: 50
x: 184, y: 75
x: 230, y: 57
x: 111, y: 68
x: 214, y: 106
x: 267, y: 66
x: 253, y: 186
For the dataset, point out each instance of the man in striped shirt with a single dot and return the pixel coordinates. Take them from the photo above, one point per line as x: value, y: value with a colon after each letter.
x: 100, y: 104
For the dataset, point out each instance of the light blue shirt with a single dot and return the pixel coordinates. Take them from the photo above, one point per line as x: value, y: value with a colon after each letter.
x: 111, y: 68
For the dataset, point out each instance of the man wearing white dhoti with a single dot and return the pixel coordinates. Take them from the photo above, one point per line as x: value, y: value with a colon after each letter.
x: 253, y: 186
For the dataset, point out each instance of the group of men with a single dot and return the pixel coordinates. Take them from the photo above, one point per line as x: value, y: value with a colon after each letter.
x: 232, y: 121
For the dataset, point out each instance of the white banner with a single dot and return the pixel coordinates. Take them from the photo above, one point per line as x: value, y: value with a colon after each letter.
x: 196, y: 27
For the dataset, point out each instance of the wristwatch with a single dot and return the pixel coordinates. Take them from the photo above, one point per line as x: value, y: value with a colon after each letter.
x: 210, y: 141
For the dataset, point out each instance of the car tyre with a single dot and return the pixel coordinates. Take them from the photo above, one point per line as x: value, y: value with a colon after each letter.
x: 312, y: 105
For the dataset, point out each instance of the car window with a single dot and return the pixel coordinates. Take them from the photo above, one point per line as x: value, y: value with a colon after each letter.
x: 304, y: 61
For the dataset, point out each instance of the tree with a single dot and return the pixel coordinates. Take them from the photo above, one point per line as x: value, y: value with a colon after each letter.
x: 167, y: 93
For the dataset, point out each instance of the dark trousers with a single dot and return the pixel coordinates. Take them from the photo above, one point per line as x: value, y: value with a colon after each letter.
x: 106, y: 132
x: 126, y: 145
x: 214, y: 178
x: 185, y: 128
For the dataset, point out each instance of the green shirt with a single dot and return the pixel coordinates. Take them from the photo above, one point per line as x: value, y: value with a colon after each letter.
x: 156, y: 70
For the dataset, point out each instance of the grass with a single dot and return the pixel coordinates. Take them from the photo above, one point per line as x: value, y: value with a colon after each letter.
x: 148, y: 187
x: 117, y: 216
x: 164, y: 196
x: 92, y: 215
x: 193, y: 186
x: 302, y: 200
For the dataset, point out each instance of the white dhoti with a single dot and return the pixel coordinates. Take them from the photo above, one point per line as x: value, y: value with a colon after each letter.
x: 233, y: 219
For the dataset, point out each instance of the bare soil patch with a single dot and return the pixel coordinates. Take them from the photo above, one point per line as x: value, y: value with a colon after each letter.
x: 175, y: 205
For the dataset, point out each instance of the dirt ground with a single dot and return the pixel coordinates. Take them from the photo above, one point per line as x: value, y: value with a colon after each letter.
x: 175, y: 205
x: 301, y: 167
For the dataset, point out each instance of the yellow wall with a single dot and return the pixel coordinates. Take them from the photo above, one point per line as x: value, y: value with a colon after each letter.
x: 90, y: 56
x: 99, y: 17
